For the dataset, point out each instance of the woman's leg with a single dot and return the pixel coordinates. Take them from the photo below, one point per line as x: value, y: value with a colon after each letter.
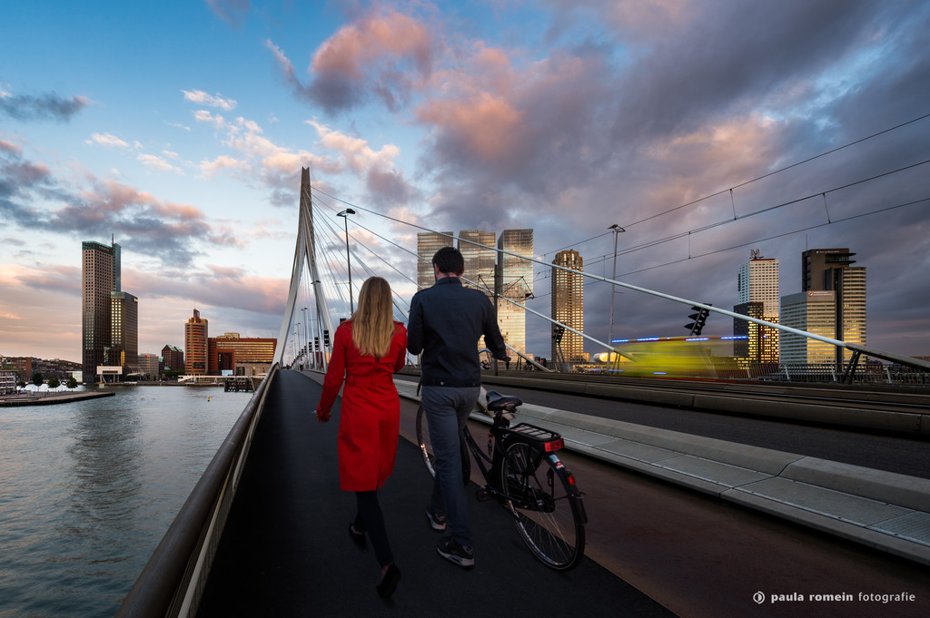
x: 372, y: 520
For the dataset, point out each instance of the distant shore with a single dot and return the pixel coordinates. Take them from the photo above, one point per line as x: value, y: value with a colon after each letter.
x: 49, y: 399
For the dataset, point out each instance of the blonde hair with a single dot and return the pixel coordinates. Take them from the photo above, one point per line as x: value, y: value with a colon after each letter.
x: 373, y: 320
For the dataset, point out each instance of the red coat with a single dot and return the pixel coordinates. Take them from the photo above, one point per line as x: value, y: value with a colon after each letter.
x: 369, y: 423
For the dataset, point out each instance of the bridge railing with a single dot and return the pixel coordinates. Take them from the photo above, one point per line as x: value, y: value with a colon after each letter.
x: 174, y: 578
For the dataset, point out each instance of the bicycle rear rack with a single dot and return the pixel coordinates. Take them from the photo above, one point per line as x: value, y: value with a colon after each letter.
x: 548, y: 441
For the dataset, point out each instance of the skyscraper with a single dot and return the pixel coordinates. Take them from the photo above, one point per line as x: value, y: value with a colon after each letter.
x: 832, y: 270
x: 568, y: 305
x: 758, y: 297
x: 428, y: 243
x: 109, y: 316
x: 479, y: 261
x: 514, y: 283
x: 98, y: 282
x: 195, y: 345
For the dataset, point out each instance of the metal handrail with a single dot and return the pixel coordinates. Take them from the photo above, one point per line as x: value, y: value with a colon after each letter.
x: 174, y: 577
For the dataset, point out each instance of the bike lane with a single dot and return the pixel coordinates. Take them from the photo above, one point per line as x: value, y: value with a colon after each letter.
x: 286, y: 551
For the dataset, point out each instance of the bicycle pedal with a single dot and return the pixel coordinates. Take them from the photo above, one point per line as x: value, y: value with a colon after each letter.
x: 483, y: 495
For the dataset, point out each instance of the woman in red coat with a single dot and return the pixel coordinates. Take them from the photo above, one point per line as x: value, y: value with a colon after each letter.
x: 367, y: 350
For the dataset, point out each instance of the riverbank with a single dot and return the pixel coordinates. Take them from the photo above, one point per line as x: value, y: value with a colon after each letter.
x: 48, y: 399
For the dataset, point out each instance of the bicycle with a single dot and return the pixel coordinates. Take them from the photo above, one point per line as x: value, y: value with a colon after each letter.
x: 523, y: 473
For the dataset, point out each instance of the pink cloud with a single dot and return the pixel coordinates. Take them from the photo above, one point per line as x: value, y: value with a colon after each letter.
x: 390, y: 35
x: 372, y: 55
x: 481, y: 127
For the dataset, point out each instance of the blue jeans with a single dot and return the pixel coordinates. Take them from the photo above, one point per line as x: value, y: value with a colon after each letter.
x: 447, y: 409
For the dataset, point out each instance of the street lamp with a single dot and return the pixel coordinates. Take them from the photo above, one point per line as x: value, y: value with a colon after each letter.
x: 613, y: 287
x: 306, y: 332
x: 345, y: 215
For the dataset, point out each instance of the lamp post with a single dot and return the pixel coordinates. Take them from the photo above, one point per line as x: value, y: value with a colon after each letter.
x: 345, y: 215
x: 306, y: 334
x: 297, y: 337
x: 613, y: 288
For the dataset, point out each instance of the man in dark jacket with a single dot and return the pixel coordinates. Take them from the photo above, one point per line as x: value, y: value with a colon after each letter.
x: 446, y: 321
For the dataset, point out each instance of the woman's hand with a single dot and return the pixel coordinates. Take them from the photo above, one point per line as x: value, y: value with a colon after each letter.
x: 321, y: 416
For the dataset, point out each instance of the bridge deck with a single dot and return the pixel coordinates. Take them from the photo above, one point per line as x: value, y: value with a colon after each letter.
x: 286, y: 552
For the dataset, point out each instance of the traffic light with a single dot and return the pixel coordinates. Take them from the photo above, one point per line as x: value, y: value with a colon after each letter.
x: 325, y: 338
x: 557, y: 332
x: 697, y: 320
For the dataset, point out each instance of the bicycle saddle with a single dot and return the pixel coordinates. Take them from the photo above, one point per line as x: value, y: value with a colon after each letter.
x: 498, y: 402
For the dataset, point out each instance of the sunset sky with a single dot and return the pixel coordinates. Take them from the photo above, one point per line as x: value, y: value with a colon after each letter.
x: 180, y: 128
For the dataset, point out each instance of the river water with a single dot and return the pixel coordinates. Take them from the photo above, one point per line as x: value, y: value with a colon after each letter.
x: 88, y: 489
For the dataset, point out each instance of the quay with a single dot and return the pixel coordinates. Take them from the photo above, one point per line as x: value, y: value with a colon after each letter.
x: 48, y: 399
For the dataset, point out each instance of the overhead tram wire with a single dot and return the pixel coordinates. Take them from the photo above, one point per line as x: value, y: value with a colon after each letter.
x: 750, y: 181
x: 673, y: 236
x: 778, y: 171
x: 658, y: 241
x: 758, y: 240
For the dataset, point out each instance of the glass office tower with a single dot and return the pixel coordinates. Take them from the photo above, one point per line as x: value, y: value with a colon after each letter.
x: 428, y: 243
x: 514, y: 283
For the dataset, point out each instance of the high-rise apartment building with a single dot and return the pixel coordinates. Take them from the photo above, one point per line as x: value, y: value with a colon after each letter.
x: 514, y: 283
x: 832, y: 270
x: 758, y: 297
x: 428, y: 243
x: 568, y: 306
x: 480, y: 261
x: 195, y: 345
x: 109, y: 316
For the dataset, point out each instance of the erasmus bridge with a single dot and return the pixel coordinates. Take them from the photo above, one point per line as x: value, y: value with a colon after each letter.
x: 704, y: 497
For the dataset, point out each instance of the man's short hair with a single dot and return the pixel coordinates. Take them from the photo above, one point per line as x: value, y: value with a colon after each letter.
x: 449, y: 260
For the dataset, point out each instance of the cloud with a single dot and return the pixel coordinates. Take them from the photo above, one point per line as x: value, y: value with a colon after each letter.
x: 356, y: 152
x: 233, y: 12
x: 210, y: 168
x: 106, y: 139
x: 48, y: 106
x: 259, y: 158
x: 383, y: 53
x: 216, y: 286
x: 158, y: 163
x: 170, y: 232
x: 202, y: 98
x: 21, y: 181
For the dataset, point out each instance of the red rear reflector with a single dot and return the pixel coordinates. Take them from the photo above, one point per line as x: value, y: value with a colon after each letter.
x: 571, y: 480
x: 554, y: 445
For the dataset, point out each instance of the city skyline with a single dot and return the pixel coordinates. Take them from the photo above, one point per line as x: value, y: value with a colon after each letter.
x: 809, y: 129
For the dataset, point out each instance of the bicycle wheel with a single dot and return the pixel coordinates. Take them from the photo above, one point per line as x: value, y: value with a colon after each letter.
x: 426, y: 448
x: 545, y: 506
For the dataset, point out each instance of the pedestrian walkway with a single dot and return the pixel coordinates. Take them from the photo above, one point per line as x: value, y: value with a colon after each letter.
x: 286, y: 551
x: 880, y: 509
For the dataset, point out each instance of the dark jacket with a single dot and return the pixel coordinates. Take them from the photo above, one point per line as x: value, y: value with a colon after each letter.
x: 446, y: 321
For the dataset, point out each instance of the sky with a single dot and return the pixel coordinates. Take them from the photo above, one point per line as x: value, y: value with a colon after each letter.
x: 704, y: 128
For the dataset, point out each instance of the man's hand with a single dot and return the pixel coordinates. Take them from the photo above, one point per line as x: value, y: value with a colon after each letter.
x: 322, y: 417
